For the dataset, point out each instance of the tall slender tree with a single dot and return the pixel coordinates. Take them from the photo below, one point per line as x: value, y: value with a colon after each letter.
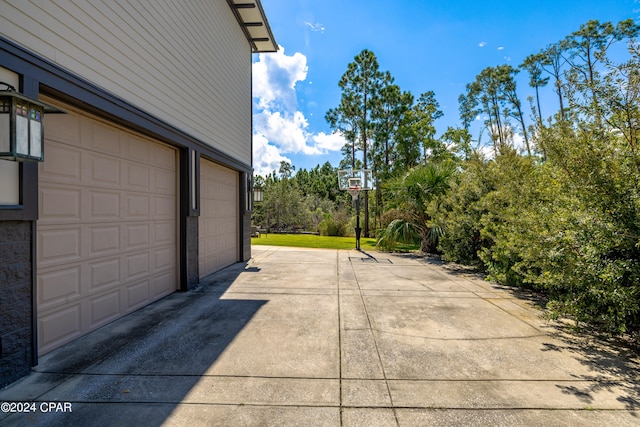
x: 360, y: 85
x: 493, y: 93
x: 427, y: 111
x: 533, y: 65
x: 387, y: 115
x: 620, y: 90
x: 587, y: 48
x: 286, y: 169
x: 459, y: 141
x: 505, y: 74
x: 343, y: 120
x: 552, y: 60
x: 483, y: 96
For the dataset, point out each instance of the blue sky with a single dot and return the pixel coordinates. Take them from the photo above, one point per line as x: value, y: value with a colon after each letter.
x: 426, y: 45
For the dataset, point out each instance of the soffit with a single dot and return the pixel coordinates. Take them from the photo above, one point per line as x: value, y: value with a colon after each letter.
x: 252, y: 19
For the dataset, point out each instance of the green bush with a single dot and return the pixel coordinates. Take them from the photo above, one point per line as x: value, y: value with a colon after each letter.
x: 460, y: 214
x: 334, y: 224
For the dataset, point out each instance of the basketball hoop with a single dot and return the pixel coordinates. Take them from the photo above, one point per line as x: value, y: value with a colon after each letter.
x: 354, y: 187
x: 355, y: 181
x: 355, y: 192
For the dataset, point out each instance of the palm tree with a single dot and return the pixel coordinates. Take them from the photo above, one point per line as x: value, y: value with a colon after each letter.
x: 410, y: 196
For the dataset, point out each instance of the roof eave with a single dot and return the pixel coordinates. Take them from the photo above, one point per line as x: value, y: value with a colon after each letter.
x: 253, y: 21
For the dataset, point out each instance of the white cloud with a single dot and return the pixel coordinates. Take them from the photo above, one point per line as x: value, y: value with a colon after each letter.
x: 286, y: 132
x: 317, y: 27
x: 279, y: 127
x: 266, y: 157
x: 289, y: 134
x: 482, y: 44
x: 275, y: 76
x: 501, y: 48
x: 332, y: 142
x: 518, y: 143
x: 487, y: 151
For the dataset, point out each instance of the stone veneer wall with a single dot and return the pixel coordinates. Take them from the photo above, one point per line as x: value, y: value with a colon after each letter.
x: 16, y: 301
x: 246, y: 237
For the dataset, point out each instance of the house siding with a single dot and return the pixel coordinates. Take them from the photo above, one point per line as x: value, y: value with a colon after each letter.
x: 183, y: 62
x: 176, y: 72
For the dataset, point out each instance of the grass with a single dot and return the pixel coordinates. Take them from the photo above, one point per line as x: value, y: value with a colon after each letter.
x: 314, y: 241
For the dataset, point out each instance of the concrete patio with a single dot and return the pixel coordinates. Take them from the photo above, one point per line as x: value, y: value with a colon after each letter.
x: 332, y: 338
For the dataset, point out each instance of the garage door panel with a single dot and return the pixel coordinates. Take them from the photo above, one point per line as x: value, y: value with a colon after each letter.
x: 59, y: 286
x: 105, y: 274
x: 104, y: 309
x: 67, y: 128
x: 103, y: 240
x: 103, y: 206
x: 137, y: 236
x: 102, y: 138
x: 137, y: 150
x: 59, y: 245
x: 138, y: 177
x: 228, y: 193
x: 137, y: 295
x: 60, y: 326
x: 107, y: 233
x: 208, y: 206
x: 60, y: 204
x: 218, y: 223
x: 162, y: 157
x: 163, y: 182
x: 104, y: 171
x: 64, y: 163
x: 208, y: 263
x: 163, y: 234
x: 162, y: 258
x: 162, y: 284
x: 163, y: 207
x: 137, y: 206
x: 137, y: 266
x: 209, y: 246
x: 227, y: 226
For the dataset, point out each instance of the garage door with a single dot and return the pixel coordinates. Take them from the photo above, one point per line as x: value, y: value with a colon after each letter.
x: 107, y: 227
x: 218, y: 223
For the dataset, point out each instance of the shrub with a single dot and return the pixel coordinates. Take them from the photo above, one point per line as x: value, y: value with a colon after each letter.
x: 334, y: 224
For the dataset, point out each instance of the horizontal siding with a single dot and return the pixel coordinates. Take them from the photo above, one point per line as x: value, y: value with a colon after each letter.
x: 186, y: 62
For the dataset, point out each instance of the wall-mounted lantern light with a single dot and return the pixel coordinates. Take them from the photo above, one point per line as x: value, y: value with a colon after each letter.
x: 21, y: 126
x: 258, y: 194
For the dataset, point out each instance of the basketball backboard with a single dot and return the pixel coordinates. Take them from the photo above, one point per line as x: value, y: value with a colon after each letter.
x: 349, y: 178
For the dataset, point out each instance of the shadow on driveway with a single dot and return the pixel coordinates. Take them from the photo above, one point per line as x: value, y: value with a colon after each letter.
x: 145, y: 363
x: 608, y: 360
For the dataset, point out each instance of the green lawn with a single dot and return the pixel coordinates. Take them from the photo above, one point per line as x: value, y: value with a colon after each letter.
x: 313, y: 241
x: 327, y: 242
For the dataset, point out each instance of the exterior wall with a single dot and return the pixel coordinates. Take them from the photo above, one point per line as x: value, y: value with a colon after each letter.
x: 177, y: 72
x: 9, y: 171
x: 246, y: 237
x: 182, y: 61
x: 17, y: 216
x: 16, y: 315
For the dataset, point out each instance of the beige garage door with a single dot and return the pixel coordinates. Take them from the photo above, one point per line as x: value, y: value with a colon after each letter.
x: 107, y: 226
x: 218, y: 223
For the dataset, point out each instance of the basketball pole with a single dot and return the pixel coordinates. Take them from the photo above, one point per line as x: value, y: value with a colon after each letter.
x: 358, y: 222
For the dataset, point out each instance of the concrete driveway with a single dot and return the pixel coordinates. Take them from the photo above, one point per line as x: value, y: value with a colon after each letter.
x: 331, y: 338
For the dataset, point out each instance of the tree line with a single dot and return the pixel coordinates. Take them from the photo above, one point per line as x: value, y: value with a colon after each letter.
x: 559, y: 214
